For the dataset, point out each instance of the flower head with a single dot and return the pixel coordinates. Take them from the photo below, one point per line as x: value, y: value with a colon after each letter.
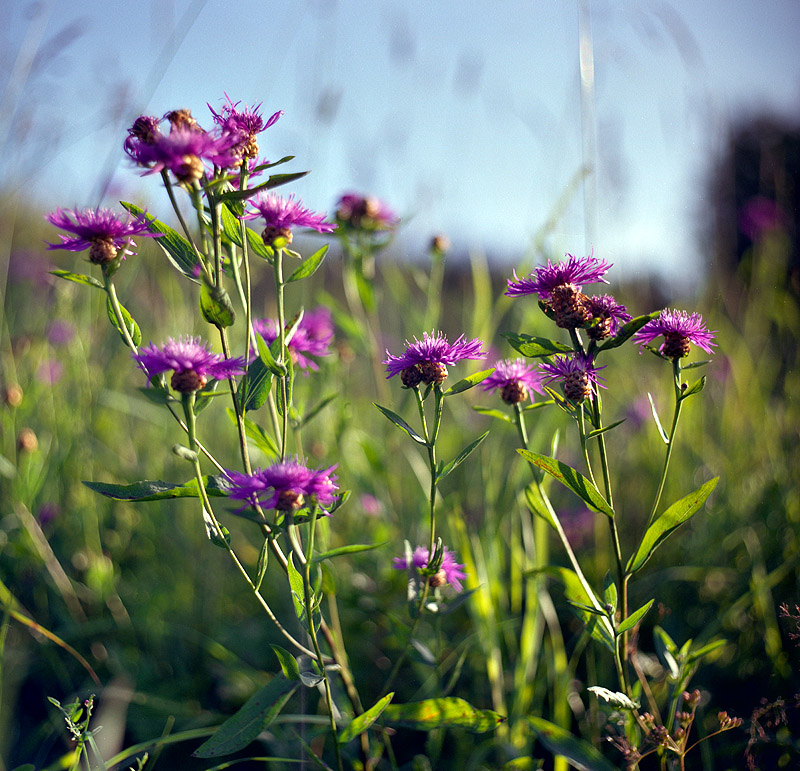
x: 285, y: 486
x: 450, y: 572
x: 680, y: 330
x: 605, y: 316
x: 101, y: 231
x: 313, y: 336
x: 426, y: 360
x: 516, y: 379
x: 243, y: 123
x: 145, y: 131
x: 190, y: 361
x: 282, y: 214
x: 365, y: 213
x: 577, y: 374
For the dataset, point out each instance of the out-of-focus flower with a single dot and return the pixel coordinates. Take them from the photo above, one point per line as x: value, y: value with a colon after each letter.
x: 101, y: 231
x: 577, y: 374
x: 759, y: 215
x: 190, y: 361
x: 450, y: 572
x: 243, y: 123
x: 312, y: 337
x: 365, y: 213
x: 60, y: 333
x: 287, y: 486
x: 515, y: 379
x: 605, y: 316
x: 146, y: 129
x: 426, y: 361
x: 371, y: 505
x: 48, y: 511
x: 281, y: 215
x: 50, y: 372
x: 559, y: 285
x: 27, y: 441
x: 680, y: 330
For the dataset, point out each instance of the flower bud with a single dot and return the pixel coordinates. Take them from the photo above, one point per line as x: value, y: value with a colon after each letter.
x: 27, y: 441
x: 12, y: 395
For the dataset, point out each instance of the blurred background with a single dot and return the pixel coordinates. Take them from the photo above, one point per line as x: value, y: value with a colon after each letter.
x: 665, y: 136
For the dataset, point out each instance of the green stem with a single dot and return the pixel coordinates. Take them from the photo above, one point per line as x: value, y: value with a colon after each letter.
x: 279, y: 298
x: 111, y: 292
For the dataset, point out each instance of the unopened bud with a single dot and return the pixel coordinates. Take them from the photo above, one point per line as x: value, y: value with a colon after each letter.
x: 12, y: 395
x: 27, y: 441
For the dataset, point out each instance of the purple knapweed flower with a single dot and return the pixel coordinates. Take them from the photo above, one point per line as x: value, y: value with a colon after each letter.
x: 283, y: 214
x: 312, y: 337
x: 577, y: 374
x: 287, y: 486
x: 559, y: 285
x: 365, y: 213
x: 243, y: 123
x: 144, y: 131
x: 426, y: 361
x: 515, y: 379
x: 101, y: 231
x: 190, y: 361
x: 680, y: 331
x: 450, y: 572
x: 605, y: 316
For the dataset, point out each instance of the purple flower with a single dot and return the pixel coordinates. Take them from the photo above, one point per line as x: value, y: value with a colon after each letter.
x: 101, y: 231
x: 577, y: 374
x: 144, y: 131
x: 282, y: 214
x: 516, y: 379
x: 190, y: 361
x: 680, y: 330
x: 313, y: 336
x: 450, y: 572
x: 183, y: 151
x: 426, y: 360
x: 284, y: 486
x: 606, y: 315
x: 244, y: 124
x: 546, y: 278
x: 365, y: 212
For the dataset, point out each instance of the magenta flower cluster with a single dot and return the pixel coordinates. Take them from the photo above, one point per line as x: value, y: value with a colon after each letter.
x: 433, y: 350
x: 450, y: 572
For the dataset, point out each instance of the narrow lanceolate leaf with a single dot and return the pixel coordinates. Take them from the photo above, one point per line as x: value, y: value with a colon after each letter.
x: 274, y: 181
x: 660, y: 428
x: 670, y: 520
x: 255, y: 386
x: 289, y: 665
x: 231, y: 225
x: 361, y: 723
x: 598, y: 431
x: 493, y: 413
x: 461, y: 457
x: 468, y: 382
x: 561, y: 742
x: 268, y: 357
x: 627, y: 331
x: 257, y: 246
x: 216, y: 306
x: 448, y: 712
x: 309, y: 266
x: 400, y: 423
x: 634, y: 618
x: 349, y: 549
x: 572, y: 479
x: 131, y: 325
x: 156, y: 490
x: 533, y: 347
x: 243, y: 727
x: 78, y: 278
x: 539, y: 505
x: 695, y: 388
x: 178, y: 250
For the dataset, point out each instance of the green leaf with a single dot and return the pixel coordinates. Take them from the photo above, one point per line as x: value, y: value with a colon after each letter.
x: 461, y: 457
x: 610, y: 591
x: 572, y: 479
x: 493, y: 413
x: 626, y: 331
x: 289, y: 665
x: 309, y: 266
x: 539, y: 505
x: 533, y: 347
x: 660, y: 428
x: 275, y: 180
x: 216, y: 306
x: 560, y: 742
x: 400, y: 423
x: 316, y: 409
x: 671, y: 519
x: 243, y: 727
x: 596, y: 622
x: 695, y: 388
x: 468, y: 382
x: 296, y: 586
x: 634, y: 618
x: 359, y: 724
x: 350, y: 549
x: 231, y: 225
x: 132, y: 326
x: 156, y: 490
x: 178, y: 250
x: 263, y: 563
x: 448, y: 712
x: 705, y: 650
x: 598, y: 431
x: 78, y: 278
x: 255, y: 386
x: 260, y: 438
x: 284, y: 402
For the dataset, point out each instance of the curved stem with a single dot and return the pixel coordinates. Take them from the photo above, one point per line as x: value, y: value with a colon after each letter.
x: 111, y: 292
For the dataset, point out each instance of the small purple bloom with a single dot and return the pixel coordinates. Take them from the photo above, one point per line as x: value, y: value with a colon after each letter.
x: 243, y: 123
x: 515, y: 379
x: 183, y: 151
x: 283, y: 214
x: 190, y: 361
x: 450, y: 572
x: 426, y: 360
x: 101, y: 231
x: 365, y: 212
x: 60, y: 333
x: 679, y: 330
x: 607, y: 315
x: 576, y: 372
x: 144, y: 131
x: 544, y: 279
x: 313, y: 336
x: 284, y: 486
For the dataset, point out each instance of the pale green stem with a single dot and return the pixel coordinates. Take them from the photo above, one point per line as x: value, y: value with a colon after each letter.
x: 111, y: 292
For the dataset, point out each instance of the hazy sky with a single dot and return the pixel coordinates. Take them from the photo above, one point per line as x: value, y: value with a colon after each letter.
x: 464, y: 116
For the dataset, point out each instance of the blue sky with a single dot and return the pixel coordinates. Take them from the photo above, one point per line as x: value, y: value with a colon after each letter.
x: 466, y: 117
